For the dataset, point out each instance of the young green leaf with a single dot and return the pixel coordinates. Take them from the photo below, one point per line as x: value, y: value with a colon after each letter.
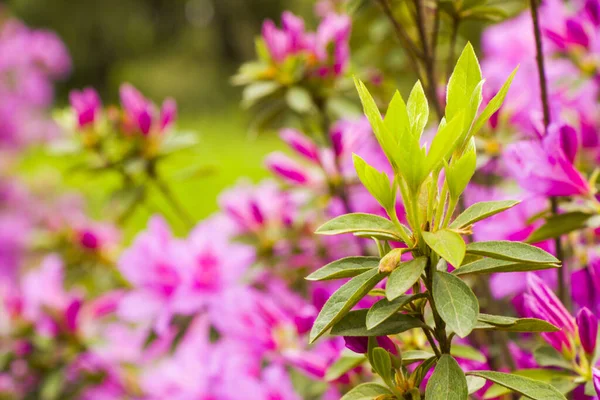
x: 359, y: 222
x: 343, y: 300
x: 494, y: 104
x: 467, y: 353
x: 444, y: 143
x: 490, y: 265
x: 404, y: 277
x: 354, y: 324
x: 512, y: 251
x: 382, y: 364
x: 482, y: 210
x: 448, y: 381
x: 533, y: 389
x: 384, y: 309
x: 345, y: 363
x: 456, y: 303
x: 396, y: 118
x: 367, y: 391
x: 418, y: 110
x: 559, y: 379
x: 447, y: 244
x: 558, y: 225
x: 347, y: 267
x: 462, y: 84
x: 411, y: 356
x: 498, y: 323
x: 377, y: 183
x: 460, y: 171
x: 475, y: 383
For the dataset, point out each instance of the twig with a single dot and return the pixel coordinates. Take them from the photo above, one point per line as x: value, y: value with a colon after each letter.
x: 561, y: 272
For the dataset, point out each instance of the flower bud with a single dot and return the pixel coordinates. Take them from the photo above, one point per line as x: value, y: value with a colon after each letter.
x: 391, y: 260
x: 300, y: 143
x: 287, y: 169
x: 569, y: 142
x: 596, y: 379
x: 587, y: 323
x: 360, y: 344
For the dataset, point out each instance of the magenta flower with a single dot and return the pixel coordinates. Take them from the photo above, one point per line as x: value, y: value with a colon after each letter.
x: 587, y: 324
x: 141, y: 114
x: 87, y: 106
x: 360, y: 344
x: 288, y: 169
x: 334, y: 32
x: 542, y: 167
x: 300, y: 143
x: 596, y: 379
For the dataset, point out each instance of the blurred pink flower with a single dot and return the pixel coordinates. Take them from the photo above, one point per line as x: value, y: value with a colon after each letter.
x: 141, y: 114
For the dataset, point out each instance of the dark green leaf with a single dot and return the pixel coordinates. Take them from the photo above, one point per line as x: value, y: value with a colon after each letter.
x: 501, y: 323
x: 558, y: 225
x: 385, y: 308
x: 479, y: 211
x: 382, y: 364
x: 343, y: 300
x: 455, y: 302
x: 447, y: 244
x: 490, y: 265
x: 354, y: 324
x: 561, y: 380
x: 448, y: 381
x: 404, y: 277
x: 367, y: 391
x: 348, y: 267
x: 533, y: 389
x: 512, y: 251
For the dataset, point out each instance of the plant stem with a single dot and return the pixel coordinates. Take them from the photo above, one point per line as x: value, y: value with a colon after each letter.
x: 561, y: 272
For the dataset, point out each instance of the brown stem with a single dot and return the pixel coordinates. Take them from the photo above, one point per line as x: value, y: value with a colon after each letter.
x: 561, y: 272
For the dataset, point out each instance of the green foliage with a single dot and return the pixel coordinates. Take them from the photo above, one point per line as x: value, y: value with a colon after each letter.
x: 490, y: 265
x: 557, y: 225
x: 377, y: 183
x: 447, y: 244
x: 455, y: 302
x: 448, y: 381
x: 511, y: 251
x: 404, y: 277
x: 533, y: 389
x: 384, y: 309
x: 367, y: 391
x: 355, y: 324
x: 342, y: 365
x: 369, y: 224
x: 348, y: 267
x: 480, y: 211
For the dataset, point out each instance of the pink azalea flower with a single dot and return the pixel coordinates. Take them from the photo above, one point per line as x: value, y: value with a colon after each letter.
x: 87, y: 106
x: 141, y: 114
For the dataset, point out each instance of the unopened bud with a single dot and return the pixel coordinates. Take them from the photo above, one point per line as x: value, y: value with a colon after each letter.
x: 391, y: 260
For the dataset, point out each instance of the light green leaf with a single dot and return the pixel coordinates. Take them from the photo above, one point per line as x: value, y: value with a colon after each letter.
x: 560, y: 379
x: 359, y: 222
x: 448, y: 381
x: 467, y: 353
x: 500, y: 320
x: 418, y: 110
x: 404, y: 277
x: 494, y: 104
x: 347, y: 267
x: 461, y: 170
x: 490, y: 265
x: 343, y: 300
x: 412, y: 356
x: 382, y: 364
x: 447, y: 244
x: 475, y: 383
x: 347, y: 362
x: 456, y: 303
x: 385, y: 308
x: 367, y: 391
x: 482, y: 210
x: 377, y: 183
x: 462, y: 84
x: 299, y: 99
x: 533, y: 389
x: 548, y: 356
x: 444, y: 143
x: 354, y: 324
x: 558, y: 225
x: 512, y: 251
x: 257, y: 91
x: 396, y: 117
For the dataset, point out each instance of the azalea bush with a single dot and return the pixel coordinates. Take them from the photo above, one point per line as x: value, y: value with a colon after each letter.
x: 429, y: 237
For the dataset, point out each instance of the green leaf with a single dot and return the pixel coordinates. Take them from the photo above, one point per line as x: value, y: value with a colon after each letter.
x: 354, y: 324
x: 444, y: 143
x: 382, y: 364
x: 404, y: 277
x: 418, y: 110
x: 467, y: 353
x: 490, y: 265
x: 342, y: 365
x: 448, y: 381
x: 377, y: 183
x: 299, y: 99
x: 347, y: 267
x: 548, y: 356
x: 475, y: 383
x: 412, y: 356
x: 384, y: 309
x: 482, y: 210
x: 560, y: 379
x: 533, y: 389
x: 510, y: 324
x: 558, y: 225
x: 512, y: 251
x: 343, y: 300
x: 447, y: 244
x: 359, y: 222
x: 455, y: 302
x: 257, y: 91
x: 463, y: 83
x: 396, y: 117
x: 461, y: 170
x: 367, y: 391
x: 494, y: 104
